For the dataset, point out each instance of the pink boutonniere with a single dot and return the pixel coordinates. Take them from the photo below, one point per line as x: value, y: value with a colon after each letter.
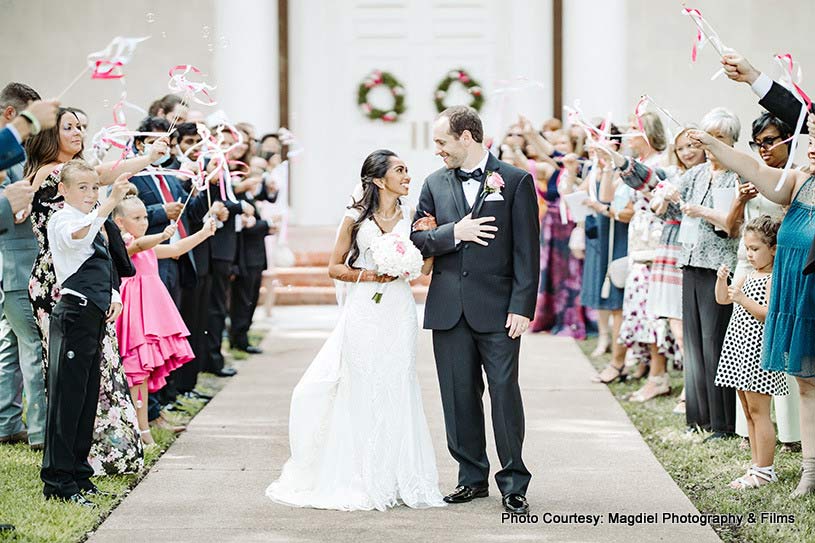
x: 494, y: 183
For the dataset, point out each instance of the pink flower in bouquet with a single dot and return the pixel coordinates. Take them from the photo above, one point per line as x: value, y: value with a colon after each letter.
x: 400, y: 247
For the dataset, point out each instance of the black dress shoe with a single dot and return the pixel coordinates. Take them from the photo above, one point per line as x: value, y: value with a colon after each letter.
x: 225, y: 372
x: 464, y: 494
x: 716, y: 436
x: 94, y: 491
x: 77, y: 498
x: 7, y: 527
x: 516, y: 504
x: 251, y: 349
x: 195, y: 395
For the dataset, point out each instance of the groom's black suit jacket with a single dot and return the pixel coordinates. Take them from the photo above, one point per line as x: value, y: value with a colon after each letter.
x: 782, y: 103
x: 481, y: 283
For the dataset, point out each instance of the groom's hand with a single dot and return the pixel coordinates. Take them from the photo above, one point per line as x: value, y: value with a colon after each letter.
x: 475, y: 230
x: 517, y: 325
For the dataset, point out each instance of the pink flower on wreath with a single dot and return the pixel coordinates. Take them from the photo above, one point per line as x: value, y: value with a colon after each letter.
x: 464, y: 78
x: 367, y: 108
x: 389, y: 117
x: 494, y: 183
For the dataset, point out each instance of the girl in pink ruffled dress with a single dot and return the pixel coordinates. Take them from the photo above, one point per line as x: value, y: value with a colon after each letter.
x: 152, y: 335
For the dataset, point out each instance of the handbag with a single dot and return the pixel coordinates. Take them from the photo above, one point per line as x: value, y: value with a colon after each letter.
x: 618, y: 271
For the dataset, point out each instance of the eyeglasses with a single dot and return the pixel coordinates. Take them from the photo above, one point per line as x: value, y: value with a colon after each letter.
x: 766, y: 144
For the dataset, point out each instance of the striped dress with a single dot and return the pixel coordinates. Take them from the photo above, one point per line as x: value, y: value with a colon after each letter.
x: 665, y: 290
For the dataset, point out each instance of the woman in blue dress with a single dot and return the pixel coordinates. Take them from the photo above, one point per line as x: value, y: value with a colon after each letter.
x: 789, y: 341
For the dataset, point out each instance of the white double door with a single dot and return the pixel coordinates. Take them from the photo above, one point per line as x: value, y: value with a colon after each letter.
x: 336, y: 46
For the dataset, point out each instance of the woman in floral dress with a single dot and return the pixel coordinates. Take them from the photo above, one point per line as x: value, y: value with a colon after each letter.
x: 116, y: 445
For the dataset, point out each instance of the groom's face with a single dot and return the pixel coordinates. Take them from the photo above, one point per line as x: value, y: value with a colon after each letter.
x: 452, y: 150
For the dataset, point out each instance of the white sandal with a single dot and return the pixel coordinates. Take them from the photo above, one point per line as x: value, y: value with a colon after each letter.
x: 754, y: 478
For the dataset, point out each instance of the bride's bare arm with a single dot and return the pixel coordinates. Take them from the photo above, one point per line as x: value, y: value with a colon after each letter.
x: 337, y: 269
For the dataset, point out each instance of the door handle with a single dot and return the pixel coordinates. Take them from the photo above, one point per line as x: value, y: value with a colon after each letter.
x: 426, y: 135
x: 413, y: 135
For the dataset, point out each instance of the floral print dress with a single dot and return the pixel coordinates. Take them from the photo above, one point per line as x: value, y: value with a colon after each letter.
x: 116, y: 445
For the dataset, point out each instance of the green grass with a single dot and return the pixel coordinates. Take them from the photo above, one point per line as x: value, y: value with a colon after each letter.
x: 703, y: 470
x: 37, y: 520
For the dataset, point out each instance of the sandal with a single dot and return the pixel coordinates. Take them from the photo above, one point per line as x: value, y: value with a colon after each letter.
x: 617, y: 375
x: 654, y: 387
x: 679, y: 409
x: 754, y: 478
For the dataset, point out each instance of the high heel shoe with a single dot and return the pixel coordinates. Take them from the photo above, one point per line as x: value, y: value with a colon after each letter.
x: 617, y: 375
x: 658, y: 385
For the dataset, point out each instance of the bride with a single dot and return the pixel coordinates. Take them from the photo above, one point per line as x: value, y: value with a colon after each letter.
x: 357, y: 430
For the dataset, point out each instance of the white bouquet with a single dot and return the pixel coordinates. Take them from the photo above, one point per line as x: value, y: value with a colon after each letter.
x: 395, y: 256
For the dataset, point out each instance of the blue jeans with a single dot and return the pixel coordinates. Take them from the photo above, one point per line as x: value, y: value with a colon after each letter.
x: 21, y: 363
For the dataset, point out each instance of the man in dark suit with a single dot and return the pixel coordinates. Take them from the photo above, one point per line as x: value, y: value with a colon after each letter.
x: 776, y: 99
x: 245, y: 288
x: 223, y: 254
x: 164, y: 197
x: 481, y: 299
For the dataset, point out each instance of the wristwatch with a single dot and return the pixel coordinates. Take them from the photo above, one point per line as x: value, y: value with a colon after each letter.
x: 33, y: 121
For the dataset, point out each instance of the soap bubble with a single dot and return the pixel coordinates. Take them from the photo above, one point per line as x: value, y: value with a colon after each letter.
x: 163, y: 34
x: 105, y: 103
x: 205, y: 32
x: 210, y: 47
x: 224, y: 42
x: 151, y: 17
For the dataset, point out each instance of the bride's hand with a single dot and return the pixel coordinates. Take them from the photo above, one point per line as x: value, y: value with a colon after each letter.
x: 428, y: 222
x: 372, y: 276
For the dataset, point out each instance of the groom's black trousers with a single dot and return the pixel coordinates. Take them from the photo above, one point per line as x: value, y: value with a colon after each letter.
x: 460, y: 354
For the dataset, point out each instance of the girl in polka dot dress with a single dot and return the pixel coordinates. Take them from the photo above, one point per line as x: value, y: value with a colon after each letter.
x: 740, y: 363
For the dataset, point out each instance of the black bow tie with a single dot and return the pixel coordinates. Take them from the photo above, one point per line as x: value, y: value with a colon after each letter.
x: 475, y: 175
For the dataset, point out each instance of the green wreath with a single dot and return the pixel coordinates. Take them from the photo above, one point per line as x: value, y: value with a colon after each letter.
x: 459, y: 76
x: 373, y: 80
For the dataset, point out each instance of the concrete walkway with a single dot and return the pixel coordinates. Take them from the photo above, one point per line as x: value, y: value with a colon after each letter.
x: 585, y: 456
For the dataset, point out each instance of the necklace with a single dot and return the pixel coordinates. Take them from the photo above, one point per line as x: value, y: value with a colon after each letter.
x: 395, y: 213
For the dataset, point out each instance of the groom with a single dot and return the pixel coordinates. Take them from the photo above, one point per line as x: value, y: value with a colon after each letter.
x: 481, y: 299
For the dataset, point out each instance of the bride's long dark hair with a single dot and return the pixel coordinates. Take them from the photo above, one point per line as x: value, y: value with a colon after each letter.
x: 376, y: 165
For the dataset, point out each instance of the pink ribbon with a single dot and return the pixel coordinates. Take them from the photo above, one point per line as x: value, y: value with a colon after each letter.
x: 788, y: 64
x: 108, y: 63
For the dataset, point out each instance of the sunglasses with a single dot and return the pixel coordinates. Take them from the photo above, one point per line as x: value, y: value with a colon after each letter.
x: 766, y: 144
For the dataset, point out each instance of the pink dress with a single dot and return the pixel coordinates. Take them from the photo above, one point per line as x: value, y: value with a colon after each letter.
x: 152, y: 335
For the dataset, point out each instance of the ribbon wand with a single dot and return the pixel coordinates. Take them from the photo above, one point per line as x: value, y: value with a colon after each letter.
x: 693, y: 13
x: 72, y: 83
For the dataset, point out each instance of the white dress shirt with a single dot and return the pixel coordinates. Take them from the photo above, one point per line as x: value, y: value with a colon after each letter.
x: 68, y: 253
x: 761, y: 86
x: 471, y: 186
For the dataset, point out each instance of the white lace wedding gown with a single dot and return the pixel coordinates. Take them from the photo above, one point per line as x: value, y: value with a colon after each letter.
x: 357, y: 430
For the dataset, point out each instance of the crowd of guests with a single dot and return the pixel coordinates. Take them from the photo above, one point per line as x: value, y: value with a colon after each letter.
x: 112, y: 306
x: 688, y: 259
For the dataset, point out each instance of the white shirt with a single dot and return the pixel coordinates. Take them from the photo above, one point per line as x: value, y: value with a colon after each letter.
x: 761, y: 86
x: 471, y: 186
x: 68, y: 253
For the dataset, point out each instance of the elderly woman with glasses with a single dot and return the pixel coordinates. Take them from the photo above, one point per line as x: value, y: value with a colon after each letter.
x: 706, y: 245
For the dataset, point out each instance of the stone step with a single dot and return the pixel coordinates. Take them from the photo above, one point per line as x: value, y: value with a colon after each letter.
x: 303, y: 276
x: 317, y: 295
x: 312, y: 258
